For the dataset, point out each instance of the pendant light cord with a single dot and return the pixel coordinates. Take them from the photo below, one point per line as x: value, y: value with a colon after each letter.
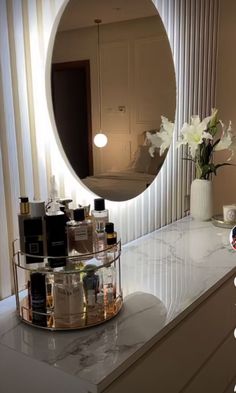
x: 98, y: 21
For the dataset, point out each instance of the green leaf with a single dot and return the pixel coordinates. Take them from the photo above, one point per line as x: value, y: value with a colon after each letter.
x: 216, y: 142
x: 206, y: 170
x: 224, y: 164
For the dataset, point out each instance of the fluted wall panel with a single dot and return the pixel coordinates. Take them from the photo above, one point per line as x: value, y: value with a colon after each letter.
x: 30, y: 150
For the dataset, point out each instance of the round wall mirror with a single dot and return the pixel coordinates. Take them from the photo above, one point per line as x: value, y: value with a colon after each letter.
x: 112, y: 74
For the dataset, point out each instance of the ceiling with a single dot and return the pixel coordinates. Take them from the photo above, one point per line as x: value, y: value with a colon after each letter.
x: 81, y: 13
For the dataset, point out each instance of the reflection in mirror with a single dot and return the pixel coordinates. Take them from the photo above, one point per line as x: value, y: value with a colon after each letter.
x: 124, y: 94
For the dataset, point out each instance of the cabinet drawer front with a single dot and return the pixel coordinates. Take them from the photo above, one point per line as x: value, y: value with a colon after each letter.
x: 171, y: 363
x: 216, y: 374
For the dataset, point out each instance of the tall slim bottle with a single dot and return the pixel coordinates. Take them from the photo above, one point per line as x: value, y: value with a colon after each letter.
x: 22, y: 216
x: 38, y: 298
x: 56, y: 236
x: 100, y: 217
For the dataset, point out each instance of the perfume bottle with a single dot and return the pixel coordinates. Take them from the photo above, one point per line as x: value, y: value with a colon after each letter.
x: 94, y: 296
x: 38, y: 298
x: 79, y: 234
x: 99, y: 214
x: 68, y: 301
x: 109, y: 279
x: 100, y: 243
x: 111, y: 235
x: 90, y: 280
x: 100, y: 305
x: 110, y: 305
x: 111, y: 243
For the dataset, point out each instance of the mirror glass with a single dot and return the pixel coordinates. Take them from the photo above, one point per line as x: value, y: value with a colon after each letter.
x: 116, y: 78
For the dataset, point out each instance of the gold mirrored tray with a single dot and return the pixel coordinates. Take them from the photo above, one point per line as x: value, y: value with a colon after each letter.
x: 218, y: 221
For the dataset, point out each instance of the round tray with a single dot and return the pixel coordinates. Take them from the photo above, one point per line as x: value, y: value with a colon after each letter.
x: 218, y: 221
x: 70, y: 322
x: 67, y: 297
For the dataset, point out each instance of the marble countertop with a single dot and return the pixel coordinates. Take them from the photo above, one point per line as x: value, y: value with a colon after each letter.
x: 165, y: 275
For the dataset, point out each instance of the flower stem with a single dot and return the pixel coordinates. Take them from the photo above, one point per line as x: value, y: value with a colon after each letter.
x: 198, y: 170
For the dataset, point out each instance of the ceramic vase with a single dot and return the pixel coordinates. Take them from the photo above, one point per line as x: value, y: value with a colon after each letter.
x: 201, y: 200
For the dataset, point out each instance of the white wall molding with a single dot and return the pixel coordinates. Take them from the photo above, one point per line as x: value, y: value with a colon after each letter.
x: 30, y: 151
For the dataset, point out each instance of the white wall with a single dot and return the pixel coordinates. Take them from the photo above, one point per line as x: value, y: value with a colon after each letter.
x: 137, y: 72
x: 30, y: 150
x: 225, y: 181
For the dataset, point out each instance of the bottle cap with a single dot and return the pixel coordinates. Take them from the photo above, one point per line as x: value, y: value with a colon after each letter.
x: 24, y: 199
x: 109, y: 227
x: 79, y: 214
x: 90, y: 269
x: 24, y: 205
x: 99, y: 204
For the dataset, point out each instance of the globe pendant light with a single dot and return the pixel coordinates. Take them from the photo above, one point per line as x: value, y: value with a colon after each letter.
x: 100, y: 139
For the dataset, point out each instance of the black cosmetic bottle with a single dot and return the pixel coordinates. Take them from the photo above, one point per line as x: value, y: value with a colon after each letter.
x: 22, y: 216
x: 56, y: 236
x: 38, y: 298
x: 32, y: 230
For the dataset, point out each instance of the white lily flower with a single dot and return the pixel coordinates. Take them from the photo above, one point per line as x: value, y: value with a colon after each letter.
x: 194, y: 133
x: 226, y: 141
x: 161, y: 139
x: 155, y: 141
x: 166, y: 134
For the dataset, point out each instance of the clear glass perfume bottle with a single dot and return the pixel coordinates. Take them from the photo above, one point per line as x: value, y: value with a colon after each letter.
x: 68, y: 300
x: 90, y: 280
x: 99, y: 214
x: 91, y: 287
x: 109, y: 278
x: 79, y: 234
x: 100, y: 306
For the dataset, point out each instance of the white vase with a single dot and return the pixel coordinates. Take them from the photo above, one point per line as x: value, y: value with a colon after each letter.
x: 201, y: 200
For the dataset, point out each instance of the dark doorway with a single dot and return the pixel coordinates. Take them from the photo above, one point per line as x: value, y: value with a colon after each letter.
x: 72, y: 110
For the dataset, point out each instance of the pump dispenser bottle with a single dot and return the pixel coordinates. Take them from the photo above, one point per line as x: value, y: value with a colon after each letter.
x: 65, y: 207
x: 56, y: 231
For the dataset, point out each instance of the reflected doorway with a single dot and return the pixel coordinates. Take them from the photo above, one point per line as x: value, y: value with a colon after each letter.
x: 71, y: 98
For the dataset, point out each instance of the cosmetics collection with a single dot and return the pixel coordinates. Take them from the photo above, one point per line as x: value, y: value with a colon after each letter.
x: 72, y: 261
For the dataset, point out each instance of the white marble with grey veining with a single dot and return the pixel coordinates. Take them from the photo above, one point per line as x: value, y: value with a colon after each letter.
x: 164, y: 275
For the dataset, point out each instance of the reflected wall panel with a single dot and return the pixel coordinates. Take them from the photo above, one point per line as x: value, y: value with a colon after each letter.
x: 30, y: 151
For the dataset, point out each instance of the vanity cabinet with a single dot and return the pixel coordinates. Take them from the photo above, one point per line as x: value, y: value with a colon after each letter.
x: 174, y: 334
x: 198, y: 355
